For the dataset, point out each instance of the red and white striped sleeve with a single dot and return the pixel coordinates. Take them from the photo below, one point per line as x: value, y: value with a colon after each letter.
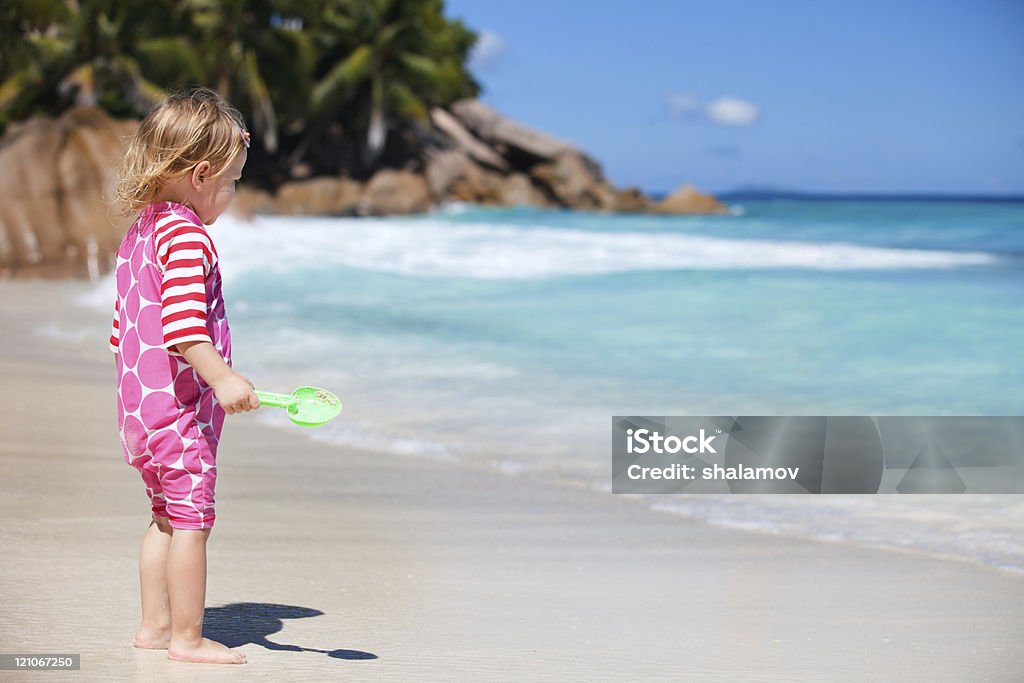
x: 185, y: 253
x: 115, y: 332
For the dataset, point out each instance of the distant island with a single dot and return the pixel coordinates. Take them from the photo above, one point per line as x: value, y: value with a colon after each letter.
x: 766, y: 192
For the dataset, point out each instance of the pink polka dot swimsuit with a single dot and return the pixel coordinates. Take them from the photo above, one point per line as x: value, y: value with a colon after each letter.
x: 168, y: 292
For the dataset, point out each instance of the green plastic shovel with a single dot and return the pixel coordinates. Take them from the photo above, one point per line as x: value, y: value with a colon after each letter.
x: 307, y: 406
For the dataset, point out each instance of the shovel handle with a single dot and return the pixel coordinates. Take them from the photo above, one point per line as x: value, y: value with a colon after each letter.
x: 269, y: 398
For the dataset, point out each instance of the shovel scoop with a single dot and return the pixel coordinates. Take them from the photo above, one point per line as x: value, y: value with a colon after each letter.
x: 306, y: 406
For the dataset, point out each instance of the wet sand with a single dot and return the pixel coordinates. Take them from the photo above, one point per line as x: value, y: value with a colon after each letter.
x: 331, y: 563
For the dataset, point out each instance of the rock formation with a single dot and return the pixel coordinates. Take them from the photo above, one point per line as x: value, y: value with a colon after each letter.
x: 392, y: 191
x: 688, y: 200
x: 56, y: 214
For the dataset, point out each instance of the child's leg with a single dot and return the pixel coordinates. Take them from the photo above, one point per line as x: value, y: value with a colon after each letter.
x: 186, y: 590
x: 155, y: 632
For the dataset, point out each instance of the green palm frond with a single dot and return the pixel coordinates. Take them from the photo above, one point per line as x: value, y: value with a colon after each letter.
x: 170, y: 59
x: 342, y: 77
x: 50, y: 49
x: 424, y: 69
x: 405, y: 103
x: 301, y: 48
x: 386, y: 36
x: 18, y: 84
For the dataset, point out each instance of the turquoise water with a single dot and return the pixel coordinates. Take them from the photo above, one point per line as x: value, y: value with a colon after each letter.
x: 477, y: 327
x: 509, y: 337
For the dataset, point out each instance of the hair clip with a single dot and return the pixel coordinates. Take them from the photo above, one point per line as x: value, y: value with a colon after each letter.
x: 245, y: 137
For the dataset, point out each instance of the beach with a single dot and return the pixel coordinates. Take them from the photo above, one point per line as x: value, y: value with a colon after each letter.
x: 332, y: 562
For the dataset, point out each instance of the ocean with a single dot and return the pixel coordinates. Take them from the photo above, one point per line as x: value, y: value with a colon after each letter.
x: 508, y: 337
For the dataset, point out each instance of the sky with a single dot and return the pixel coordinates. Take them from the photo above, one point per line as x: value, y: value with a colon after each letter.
x: 822, y: 96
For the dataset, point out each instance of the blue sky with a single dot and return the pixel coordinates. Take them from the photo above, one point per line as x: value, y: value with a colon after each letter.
x: 894, y: 96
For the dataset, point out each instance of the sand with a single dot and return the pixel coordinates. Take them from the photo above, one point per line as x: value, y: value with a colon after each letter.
x: 330, y: 563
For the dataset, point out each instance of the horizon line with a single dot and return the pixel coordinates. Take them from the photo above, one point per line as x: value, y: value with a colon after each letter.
x: 754, y: 193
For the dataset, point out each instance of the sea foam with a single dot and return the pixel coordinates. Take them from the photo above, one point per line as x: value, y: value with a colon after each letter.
x: 434, y: 247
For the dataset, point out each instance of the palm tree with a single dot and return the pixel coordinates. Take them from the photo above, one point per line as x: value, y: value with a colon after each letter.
x: 92, y: 52
x: 402, y: 51
x: 255, y: 59
x: 301, y: 71
x: 122, y: 54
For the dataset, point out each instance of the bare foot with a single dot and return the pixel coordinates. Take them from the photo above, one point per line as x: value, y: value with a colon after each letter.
x: 147, y: 639
x: 206, y: 651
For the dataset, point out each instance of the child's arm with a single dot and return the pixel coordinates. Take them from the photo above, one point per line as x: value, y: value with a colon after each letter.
x: 233, y: 391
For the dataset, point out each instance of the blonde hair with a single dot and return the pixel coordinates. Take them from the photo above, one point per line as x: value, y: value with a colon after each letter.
x: 183, y: 130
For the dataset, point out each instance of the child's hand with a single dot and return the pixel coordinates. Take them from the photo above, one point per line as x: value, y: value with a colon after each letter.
x: 235, y: 394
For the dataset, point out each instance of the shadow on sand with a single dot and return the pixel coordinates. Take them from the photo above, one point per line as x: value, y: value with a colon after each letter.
x: 251, y: 622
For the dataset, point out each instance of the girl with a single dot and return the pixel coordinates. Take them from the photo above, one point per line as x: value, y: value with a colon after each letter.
x: 170, y: 334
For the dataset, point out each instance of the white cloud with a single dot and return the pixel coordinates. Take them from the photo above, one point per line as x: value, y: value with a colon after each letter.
x: 488, y: 49
x: 729, y: 111
x: 724, y: 111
